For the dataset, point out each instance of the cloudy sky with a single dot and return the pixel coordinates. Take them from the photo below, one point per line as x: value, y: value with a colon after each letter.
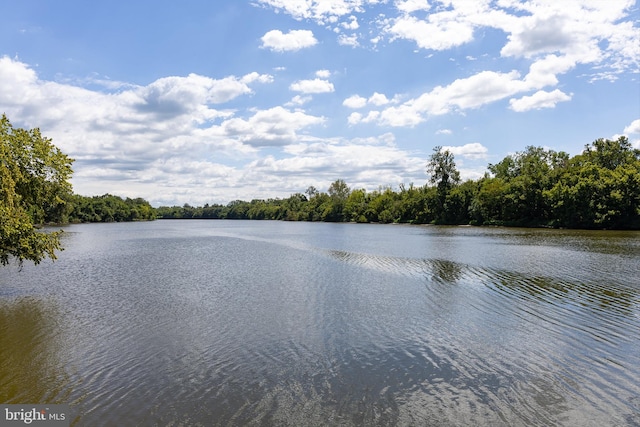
x: 210, y: 101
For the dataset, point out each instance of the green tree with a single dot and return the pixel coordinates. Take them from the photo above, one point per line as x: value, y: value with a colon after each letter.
x: 526, y: 176
x: 34, y: 185
x: 442, y: 169
x: 444, y: 174
x: 355, y: 207
x: 487, y: 204
x: 338, y: 193
x: 599, y: 188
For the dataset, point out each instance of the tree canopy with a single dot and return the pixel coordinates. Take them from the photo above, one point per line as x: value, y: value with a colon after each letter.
x: 34, y: 184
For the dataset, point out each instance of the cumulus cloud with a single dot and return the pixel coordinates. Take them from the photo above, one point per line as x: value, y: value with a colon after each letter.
x: 461, y: 94
x: 294, y: 40
x: 538, y: 100
x: 162, y: 141
x: 273, y: 127
x: 348, y: 40
x: 378, y: 99
x: 298, y: 100
x: 484, y: 88
x: 634, y: 127
x: 355, y: 101
x: 179, y: 95
x: 409, y: 6
x: 372, y: 116
x: 633, y: 132
x: 352, y: 24
x: 354, y: 118
x: 432, y: 34
x: 312, y: 86
x: 471, y: 151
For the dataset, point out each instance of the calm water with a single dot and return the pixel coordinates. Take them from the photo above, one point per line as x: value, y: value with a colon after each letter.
x: 271, y: 323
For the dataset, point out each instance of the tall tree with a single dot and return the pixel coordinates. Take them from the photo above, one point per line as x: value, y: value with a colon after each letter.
x: 338, y: 193
x: 442, y: 169
x: 442, y: 172
x: 34, y: 184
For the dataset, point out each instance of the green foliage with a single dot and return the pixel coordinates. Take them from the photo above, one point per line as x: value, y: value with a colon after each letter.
x: 442, y: 171
x: 599, y: 188
x: 109, y: 208
x: 33, y: 190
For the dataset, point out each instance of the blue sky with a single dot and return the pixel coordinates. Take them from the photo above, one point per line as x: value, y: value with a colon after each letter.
x: 211, y: 101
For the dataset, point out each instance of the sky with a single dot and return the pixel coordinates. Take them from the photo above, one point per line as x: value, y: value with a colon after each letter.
x: 212, y: 101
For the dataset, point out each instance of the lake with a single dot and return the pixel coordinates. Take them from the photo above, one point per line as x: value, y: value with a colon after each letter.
x: 259, y: 323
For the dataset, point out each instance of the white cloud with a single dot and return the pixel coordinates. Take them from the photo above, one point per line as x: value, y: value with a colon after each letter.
x: 312, y: 86
x: 409, y: 6
x: 378, y: 99
x: 273, y: 127
x: 634, y: 127
x: 461, y: 94
x: 176, y: 95
x: 484, y: 88
x: 362, y: 163
x: 540, y: 34
x: 323, y: 74
x: 352, y: 24
x: 581, y: 32
x: 471, y: 151
x: 432, y: 34
x: 355, y: 101
x: 401, y: 116
x: 255, y: 77
x: 633, y: 132
x: 538, y: 100
x: 321, y: 11
x: 351, y: 40
x: 294, y: 40
x: 444, y: 132
x: 299, y: 100
x: 354, y: 118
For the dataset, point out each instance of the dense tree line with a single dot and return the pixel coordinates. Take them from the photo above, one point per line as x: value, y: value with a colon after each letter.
x: 599, y: 188
x: 108, y: 208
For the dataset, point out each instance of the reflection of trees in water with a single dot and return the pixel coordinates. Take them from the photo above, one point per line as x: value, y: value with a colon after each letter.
x: 30, y: 353
x: 445, y: 271
x: 604, y: 296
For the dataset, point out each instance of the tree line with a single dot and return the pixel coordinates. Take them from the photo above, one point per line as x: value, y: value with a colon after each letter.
x: 599, y: 188
x: 107, y: 208
x: 538, y: 187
